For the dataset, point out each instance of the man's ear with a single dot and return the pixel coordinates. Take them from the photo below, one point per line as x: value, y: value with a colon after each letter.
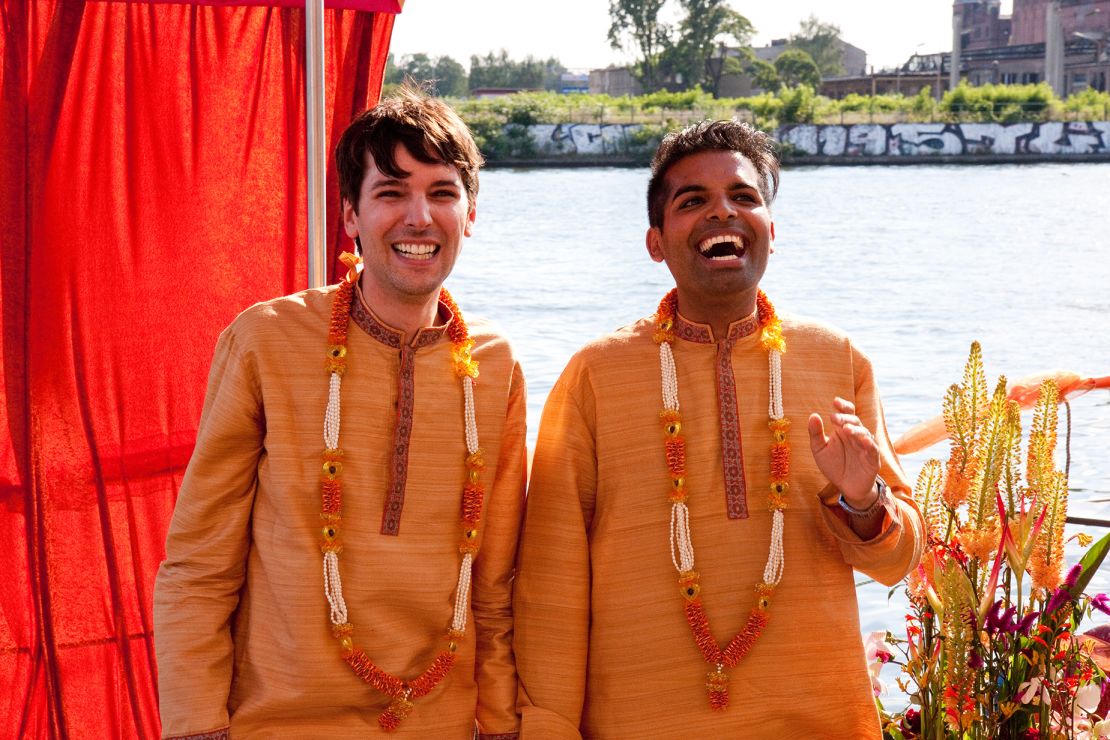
x: 772, y: 237
x: 350, y: 219
x: 654, y: 241
x: 469, y: 228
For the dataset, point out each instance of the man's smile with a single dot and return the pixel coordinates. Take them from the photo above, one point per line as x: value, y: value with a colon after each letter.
x: 723, y: 247
x: 416, y: 251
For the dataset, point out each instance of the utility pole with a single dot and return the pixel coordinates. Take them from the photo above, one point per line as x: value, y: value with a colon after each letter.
x: 957, y: 27
x: 1054, y: 49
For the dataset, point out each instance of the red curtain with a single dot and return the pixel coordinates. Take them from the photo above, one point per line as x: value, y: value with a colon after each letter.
x: 152, y: 185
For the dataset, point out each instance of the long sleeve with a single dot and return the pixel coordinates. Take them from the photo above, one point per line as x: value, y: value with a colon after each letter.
x: 197, y: 587
x: 552, y: 598
x: 890, y: 555
x: 495, y: 669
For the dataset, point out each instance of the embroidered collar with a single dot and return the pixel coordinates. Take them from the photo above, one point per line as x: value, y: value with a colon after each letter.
x: 365, y: 318
x: 692, y: 331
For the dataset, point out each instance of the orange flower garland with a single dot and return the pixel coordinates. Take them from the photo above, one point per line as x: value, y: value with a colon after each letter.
x: 682, y: 551
x: 402, y: 692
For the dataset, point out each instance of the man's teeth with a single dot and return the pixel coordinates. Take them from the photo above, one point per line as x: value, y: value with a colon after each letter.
x: 416, y: 251
x: 732, y: 251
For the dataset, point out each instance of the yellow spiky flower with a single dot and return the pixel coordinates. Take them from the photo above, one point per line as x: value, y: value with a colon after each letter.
x: 966, y: 410
x: 1046, y: 562
x: 1010, y: 484
x: 982, y: 531
x: 929, y: 489
x: 1041, y: 462
x: 1048, y: 487
x: 958, y: 597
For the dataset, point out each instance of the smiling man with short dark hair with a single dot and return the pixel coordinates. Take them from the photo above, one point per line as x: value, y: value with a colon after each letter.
x: 341, y: 554
x: 715, y: 423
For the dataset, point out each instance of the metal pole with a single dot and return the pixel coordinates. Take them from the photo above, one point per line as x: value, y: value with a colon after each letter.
x: 315, y: 147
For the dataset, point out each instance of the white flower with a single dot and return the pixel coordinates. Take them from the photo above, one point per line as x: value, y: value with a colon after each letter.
x: 1029, y: 689
x: 1101, y: 729
x: 1088, y: 696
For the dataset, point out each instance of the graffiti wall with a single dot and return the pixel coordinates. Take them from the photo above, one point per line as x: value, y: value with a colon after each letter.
x: 583, y: 138
x: 924, y: 139
x: 860, y: 140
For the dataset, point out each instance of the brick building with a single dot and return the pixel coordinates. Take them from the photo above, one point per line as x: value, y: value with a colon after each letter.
x: 1062, y: 42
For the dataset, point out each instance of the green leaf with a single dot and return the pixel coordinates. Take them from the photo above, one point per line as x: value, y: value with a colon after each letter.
x: 1091, y: 561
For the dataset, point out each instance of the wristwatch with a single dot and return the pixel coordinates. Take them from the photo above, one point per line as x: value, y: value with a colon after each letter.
x: 876, y: 505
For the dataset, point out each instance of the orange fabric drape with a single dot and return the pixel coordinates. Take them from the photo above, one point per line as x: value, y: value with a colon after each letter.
x: 152, y: 185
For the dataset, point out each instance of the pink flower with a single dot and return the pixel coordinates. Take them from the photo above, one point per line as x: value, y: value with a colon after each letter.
x: 875, y: 645
x: 878, y: 653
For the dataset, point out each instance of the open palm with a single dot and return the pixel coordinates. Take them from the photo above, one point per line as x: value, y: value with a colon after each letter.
x: 847, y: 456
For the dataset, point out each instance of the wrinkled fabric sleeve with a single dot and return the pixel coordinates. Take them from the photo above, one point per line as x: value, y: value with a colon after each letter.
x: 197, y: 587
x: 495, y: 669
x: 552, y: 596
x: 897, y: 548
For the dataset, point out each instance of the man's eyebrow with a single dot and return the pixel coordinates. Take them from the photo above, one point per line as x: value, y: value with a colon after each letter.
x: 740, y: 185
x: 391, y: 182
x: 445, y: 183
x: 687, y: 189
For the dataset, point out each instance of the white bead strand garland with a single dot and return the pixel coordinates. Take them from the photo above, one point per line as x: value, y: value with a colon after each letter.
x: 402, y: 692
x: 681, y: 540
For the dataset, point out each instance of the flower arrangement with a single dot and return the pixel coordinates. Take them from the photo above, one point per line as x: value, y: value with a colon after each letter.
x: 991, y: 646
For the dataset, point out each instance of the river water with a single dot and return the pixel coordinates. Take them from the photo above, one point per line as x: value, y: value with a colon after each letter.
x: 914, y: 262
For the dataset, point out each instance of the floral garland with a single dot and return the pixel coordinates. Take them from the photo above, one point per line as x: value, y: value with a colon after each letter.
x: 682, y: 548
x: 402, y: 692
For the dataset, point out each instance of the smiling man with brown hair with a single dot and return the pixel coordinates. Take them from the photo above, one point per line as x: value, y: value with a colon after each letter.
x: 697, y: 426
x: 341, y: 554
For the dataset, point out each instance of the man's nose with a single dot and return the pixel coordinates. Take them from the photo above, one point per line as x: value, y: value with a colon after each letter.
x: 722, y: 208
x: 419, y: 212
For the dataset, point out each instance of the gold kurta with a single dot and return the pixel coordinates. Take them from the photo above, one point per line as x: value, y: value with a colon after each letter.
x: 602, y: 643
x: 242, y: 630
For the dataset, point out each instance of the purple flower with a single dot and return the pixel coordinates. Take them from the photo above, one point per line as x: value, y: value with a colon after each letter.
x: 1059, y: 598
x: 1073, y: 576
x: 995, y: 622
x: 1102, y: 603
x: 974, y: 660
x: 1007, y: 621
x: 911, y: 723
x: 1026, y: 622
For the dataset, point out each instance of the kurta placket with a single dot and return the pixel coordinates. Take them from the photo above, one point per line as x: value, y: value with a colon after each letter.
x: 732, y: 451
x: 365, y: 319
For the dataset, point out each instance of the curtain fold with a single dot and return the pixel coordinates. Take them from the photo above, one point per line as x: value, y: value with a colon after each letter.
x: 152, y: 185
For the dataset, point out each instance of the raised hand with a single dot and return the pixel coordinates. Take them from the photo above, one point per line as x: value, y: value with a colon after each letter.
x: 848, y: 457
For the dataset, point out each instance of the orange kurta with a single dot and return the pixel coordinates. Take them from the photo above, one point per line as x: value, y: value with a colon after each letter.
x: 603, y: 647
x: 241, y: 621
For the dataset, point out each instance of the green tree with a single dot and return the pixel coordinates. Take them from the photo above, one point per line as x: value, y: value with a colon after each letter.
x: 419, y: 67
x: 634, y: 26
x: 707, y: 30
x: 450, y: 78
x: 795, y: 67
x: 441, y: 75
x: 497, y: 69
x: 822, y: 42
x: 553, y: 71
x: 763, y: 74
x: 393, y: 74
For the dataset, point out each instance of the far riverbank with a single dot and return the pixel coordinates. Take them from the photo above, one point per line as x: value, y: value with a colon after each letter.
x: 609, y: 145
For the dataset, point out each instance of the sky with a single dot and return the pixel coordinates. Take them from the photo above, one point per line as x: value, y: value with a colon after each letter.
x: 575, y: 31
